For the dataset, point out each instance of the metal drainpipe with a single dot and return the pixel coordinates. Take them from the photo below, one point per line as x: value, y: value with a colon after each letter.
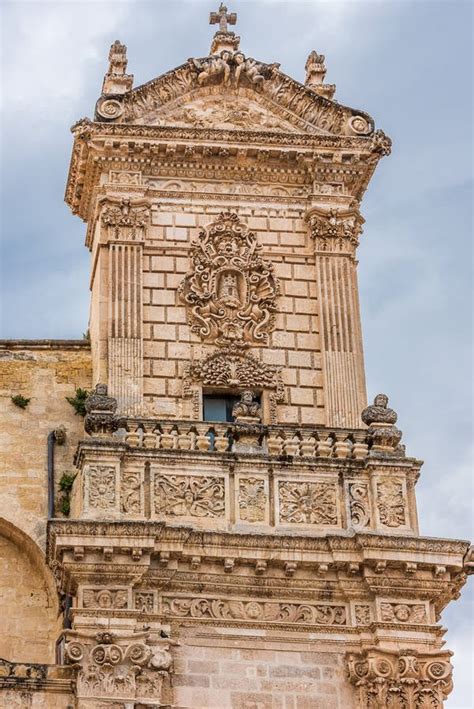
x: 57, y: 436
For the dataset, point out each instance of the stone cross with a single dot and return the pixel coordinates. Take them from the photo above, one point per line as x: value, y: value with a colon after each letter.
x: 222, y: 18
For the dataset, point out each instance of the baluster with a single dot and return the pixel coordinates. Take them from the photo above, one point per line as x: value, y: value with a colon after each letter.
x: 185, y: 441
x: 221, y: 440
x: 308, y: 447
x: 360, y: 447
x: 132, y: 438
x: 342, y: 446
x: 203, y: 442
x: 292, y: 445
x: 149, y: 437
x: 275, y: 444
x: 324, y: 447
x: 167, y: 439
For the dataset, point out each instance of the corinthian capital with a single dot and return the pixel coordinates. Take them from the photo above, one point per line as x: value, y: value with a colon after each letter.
x: 406, y: 679
x: 335, y: 231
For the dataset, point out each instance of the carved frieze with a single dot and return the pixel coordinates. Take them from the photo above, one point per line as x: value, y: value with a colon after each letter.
x: 189, y: 496
x: 403, y: 613
x: 404, y: 679
x: 303, y: 502
x: 105, y: 599
x: 144, y: 601
x: 255, y: 611
x: 231, y: 292
x: 391, y: 503
x: 362, y: 615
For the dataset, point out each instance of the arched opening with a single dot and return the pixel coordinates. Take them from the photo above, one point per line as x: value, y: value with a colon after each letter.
x: 29, y: 622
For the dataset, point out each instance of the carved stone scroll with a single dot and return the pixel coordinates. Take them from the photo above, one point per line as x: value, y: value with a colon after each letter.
x: 231, y: 292
x: 255, y: 611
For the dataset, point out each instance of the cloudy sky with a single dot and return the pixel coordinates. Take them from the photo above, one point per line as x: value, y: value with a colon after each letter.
x: 409, y: 64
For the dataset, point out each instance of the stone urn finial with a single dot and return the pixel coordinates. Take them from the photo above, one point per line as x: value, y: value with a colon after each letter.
x: 100, y: 408
x: 380, y: 419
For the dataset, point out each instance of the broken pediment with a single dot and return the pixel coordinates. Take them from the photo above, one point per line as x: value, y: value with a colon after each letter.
x: 231, y: 91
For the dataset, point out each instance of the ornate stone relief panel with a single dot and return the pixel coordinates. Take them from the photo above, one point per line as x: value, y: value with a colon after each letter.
x: 359, y: 504
x: 197, y: 496
x: 255, y: 611
x: 105, y: 599
x: 308, y: 503
x: 131, y: 492
x: 230, y: 294
x: 100, y: 488
x: 403, y: 612
x: 252, y: 498
x: 391, y: 503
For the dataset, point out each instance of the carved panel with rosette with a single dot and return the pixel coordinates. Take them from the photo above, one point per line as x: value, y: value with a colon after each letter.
x: 231, y: 292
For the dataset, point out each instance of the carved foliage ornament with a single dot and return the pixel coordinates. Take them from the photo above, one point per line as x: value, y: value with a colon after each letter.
x: 101, y: 483
x: 307, y: 503
x: 111, y: 668
x: 391, y: 503
x: 189, y: 496
x: 255, y: 611
x: 400, y: 680
x: 334, y: 232
x: 231, y: 292
x: 125, y: 218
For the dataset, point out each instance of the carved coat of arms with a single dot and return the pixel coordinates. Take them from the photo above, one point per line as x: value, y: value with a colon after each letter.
x: 231, y: 292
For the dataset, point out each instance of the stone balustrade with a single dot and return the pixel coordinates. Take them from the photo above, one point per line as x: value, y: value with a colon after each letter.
x: 282, y: 440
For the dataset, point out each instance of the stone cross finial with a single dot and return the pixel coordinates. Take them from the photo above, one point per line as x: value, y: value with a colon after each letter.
x: 222, y: 18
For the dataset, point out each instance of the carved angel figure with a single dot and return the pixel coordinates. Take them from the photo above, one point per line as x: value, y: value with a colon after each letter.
x: 247, y: 407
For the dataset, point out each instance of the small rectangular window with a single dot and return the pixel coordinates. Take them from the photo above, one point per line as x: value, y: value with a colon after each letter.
x: 218, y: 407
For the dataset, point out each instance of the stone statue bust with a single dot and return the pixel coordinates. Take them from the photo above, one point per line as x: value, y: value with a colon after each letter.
x: 247, y: 407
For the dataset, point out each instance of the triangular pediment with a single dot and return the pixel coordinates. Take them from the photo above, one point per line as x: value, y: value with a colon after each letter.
x: 214, y: 92
x: 225, y: 110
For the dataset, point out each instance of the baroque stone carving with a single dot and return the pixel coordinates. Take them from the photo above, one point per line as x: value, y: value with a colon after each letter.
x: 255, y: 611
x: 189, y: 496
x: 315, y: 73
x: 130, y: 489
x: 380, y: 419
x: 391, y: 503
x: 143, y: 601
x: 105, y: 598
x: 362, y: 615
x: 403, y: 613
x: 251, y: 499
x: 101, y: 482
x: 110, y: 666
x: 405, y: 679
x: 230, y: 68
x: 307, y: 502
x: 100, y: 416
x: 126, y: 219
x: 359, y: 504
x: 231, y: 292
x: 335, y: 232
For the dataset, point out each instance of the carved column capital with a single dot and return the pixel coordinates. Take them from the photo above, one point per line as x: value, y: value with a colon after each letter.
x: 405, y: 679
x: 119, y: 665
x: 126, y: 219
x: 335, y: 231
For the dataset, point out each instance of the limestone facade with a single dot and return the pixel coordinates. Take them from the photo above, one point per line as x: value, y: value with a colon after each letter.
x: 271, y: 558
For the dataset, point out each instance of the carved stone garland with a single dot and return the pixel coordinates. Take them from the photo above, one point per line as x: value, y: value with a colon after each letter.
x: 230, y: 294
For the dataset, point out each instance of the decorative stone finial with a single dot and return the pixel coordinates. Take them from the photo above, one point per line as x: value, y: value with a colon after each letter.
x: 380, y: 419
x: 116, y: 81
x: 100, y: 412
x: 223, y: 39
x: 315, y: 73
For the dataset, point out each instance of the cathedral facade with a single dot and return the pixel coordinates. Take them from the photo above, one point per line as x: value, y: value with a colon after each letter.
x: 199, y: 508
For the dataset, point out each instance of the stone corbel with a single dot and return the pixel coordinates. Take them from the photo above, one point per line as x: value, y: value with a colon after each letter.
x: 125, y: 666
x: 405, y: 679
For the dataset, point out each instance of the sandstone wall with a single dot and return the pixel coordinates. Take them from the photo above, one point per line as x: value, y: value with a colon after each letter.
x: 268, y: 673
x: 45, y: 373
